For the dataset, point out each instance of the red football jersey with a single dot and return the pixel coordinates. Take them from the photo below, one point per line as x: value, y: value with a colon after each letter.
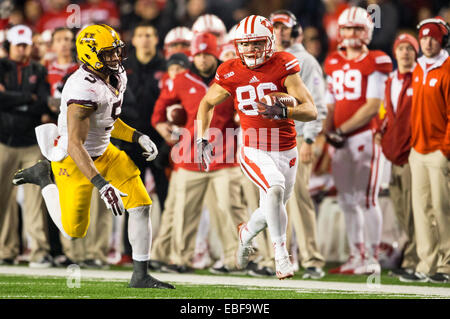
x: 347, y: 82
x: 247, y: 86
x: 56, y: 73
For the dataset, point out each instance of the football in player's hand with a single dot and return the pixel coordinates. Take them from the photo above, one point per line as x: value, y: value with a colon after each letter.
x: 176, y: 115
x: 286, y: 99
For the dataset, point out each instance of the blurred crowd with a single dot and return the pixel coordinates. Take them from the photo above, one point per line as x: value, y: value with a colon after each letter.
x: 26, y: 237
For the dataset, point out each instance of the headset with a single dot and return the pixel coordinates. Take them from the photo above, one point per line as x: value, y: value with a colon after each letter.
x: 446, y: 37
x: 295, y: 27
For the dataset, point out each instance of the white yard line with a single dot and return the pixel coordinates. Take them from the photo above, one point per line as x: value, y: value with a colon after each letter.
x: 301, y: 285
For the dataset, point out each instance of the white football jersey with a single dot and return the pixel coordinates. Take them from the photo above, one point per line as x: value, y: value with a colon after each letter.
x: 85, y: 88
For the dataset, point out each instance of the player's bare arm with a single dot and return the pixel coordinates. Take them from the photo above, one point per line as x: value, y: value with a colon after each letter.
x: 305, y: 110
x: 362, y: 116
x: 215, y: 95
x: 329, y: 123
x: 78, y: 128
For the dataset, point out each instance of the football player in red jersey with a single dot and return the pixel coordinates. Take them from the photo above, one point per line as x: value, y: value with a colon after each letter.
x: 356, y: 80
x: 268, y: 154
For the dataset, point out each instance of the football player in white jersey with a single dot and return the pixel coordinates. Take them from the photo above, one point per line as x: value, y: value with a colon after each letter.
x: 82, y: 156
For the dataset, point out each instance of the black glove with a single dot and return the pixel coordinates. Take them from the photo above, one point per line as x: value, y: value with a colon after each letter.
x: 204, y: 153
x: 336, y: 138
x: 277, y: 111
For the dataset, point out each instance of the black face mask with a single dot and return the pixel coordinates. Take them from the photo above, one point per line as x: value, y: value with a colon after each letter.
x: 120, y: 68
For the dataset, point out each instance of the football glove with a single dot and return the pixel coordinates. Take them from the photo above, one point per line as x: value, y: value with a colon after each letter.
x: 276, y: 111
x: 204, y: 153
x: 113, y: 199
x: 110, y: 195
x: 336, y: 138
x: 151, y: 151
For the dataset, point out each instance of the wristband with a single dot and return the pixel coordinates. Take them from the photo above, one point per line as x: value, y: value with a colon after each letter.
x: 136, y: 136
x: 99, y: 181
x: 290, y: 111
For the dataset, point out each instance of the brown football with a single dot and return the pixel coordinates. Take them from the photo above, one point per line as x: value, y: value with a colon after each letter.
x: 286, y: 99
x: 176, y: 115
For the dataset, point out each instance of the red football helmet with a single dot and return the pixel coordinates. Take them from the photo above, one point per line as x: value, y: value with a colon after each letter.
x: 251, y: 29
x: 212, y: 24
x: 177, y: 35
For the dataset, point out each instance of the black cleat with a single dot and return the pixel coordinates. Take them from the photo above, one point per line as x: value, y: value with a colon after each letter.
x: 439, y: 278
x: 148, y: 282
x: 39, y: 174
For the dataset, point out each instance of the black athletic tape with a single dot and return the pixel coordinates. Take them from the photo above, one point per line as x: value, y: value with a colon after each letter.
x: 99, y: 181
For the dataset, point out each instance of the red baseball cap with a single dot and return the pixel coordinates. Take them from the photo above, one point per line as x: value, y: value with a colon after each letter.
x: 204, y: 43
x: 407, y: 38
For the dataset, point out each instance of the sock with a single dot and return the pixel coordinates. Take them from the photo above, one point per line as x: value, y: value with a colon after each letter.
x: 277, y: 220
x: 51, y: 198
x: 140, y: 268
x: 255, y: 225
x: 360, y: 250
x: 373, y: 226
x: 279, y: 246
x: 139, y: 232
x: 354, y: 224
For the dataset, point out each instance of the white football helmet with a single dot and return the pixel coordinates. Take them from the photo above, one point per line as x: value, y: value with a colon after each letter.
x: 177, y: 35
x: 355, y: 17
x: 212, y: 24
x: 251, y: 29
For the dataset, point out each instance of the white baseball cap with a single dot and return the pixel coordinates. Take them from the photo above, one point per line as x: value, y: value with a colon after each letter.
x: 19, y: 34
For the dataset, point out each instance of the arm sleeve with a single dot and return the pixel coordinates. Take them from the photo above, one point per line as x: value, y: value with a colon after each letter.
x: 375, y: 85
x: 313, y: 79
x: 226, y: 77
x: 122, y: 131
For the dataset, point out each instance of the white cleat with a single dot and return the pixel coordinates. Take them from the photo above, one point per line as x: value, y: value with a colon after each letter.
x: 244, y: 251
x: 284, y: 268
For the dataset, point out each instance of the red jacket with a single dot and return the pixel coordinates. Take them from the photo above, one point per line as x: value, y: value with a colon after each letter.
x: 430, y: 115
x: 188, y: 90
x: 396, y: 126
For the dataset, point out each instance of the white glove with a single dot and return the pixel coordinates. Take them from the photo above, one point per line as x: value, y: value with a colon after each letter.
x: 113, y: 199
x: 151, y: 151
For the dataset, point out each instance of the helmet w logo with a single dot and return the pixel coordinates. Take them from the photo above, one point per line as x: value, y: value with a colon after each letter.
x: 88, y: 37
x: 267, y: 24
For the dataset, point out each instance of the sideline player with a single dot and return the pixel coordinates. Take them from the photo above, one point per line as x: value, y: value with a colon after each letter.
x: 356, y: 81
x: 84, y: 157
x: 270, y: 161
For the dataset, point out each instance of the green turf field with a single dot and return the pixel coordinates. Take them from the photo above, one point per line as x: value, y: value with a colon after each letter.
x: 27, y: 287
x: 19, y: 286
